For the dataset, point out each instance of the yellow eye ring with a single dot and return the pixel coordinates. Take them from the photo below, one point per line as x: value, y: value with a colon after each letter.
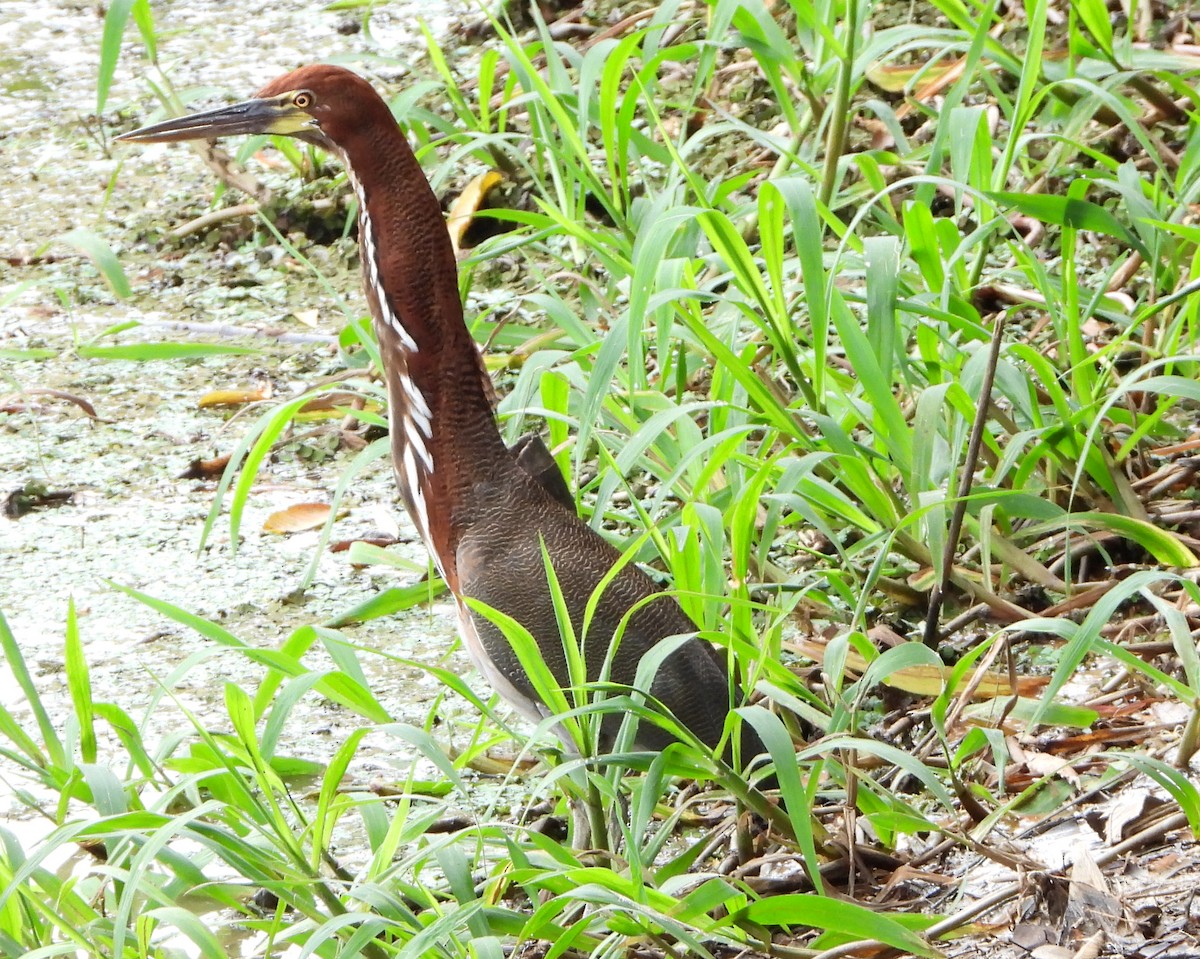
x: 303, y: 100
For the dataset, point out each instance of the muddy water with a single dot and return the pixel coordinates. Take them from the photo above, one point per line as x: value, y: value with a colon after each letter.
x: 130, y: 519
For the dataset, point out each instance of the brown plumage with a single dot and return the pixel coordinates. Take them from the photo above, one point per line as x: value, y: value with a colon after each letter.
x: 482, y: 509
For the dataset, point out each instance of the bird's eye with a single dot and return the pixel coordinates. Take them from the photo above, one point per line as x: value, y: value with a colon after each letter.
x: 303, y: 100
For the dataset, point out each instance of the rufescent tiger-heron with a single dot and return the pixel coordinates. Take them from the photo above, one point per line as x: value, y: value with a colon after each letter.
x: 483, y: 510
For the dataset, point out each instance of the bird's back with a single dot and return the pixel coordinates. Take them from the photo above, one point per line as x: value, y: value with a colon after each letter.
x: 500, y: 563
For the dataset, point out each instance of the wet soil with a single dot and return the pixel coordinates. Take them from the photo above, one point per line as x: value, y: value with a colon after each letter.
x: 129, y: 518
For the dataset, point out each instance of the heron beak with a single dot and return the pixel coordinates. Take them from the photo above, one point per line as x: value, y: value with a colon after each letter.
x: 275, y: 115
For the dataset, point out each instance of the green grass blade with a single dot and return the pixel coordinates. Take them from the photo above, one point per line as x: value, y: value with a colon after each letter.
x: 110, y: 48
x: 849, y: 920
x: 101, y: 254
x: 16, y: 665
x: 143, y: 352
x: 80, y: 687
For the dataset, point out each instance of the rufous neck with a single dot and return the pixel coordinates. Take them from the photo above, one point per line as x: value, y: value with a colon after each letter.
x: 444, y: 436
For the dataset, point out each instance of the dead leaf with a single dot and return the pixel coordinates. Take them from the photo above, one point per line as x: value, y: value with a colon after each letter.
x: 937, y: 78
x: 335, y: 401
x: 1126, y: 812
x: 381, y: 541
x: 469, y: 202
x: 493, y: 766
x: 296, y: 519
x: 1052, y: 951
x: 893, y: 77
x: 928, y: 680
x: 205, y: 469
x: 232, y: 397
x: 1043, y: 764
x: 1091, y: 905
x: 1105, y: 735
x: 1031, y: 936
x: 79, y: 401
x: 1185, y: 447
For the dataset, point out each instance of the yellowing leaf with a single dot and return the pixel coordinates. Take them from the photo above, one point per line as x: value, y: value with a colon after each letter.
x: 332, y: 406
x: 232, y: 397
x: 929, y: 680
x: 895, y: 77
x: 337, y: 400
x: 892, y: 77
x: 296, y: 519
x: 468, y: 204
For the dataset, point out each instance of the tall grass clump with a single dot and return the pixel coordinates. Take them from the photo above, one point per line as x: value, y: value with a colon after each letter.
x: 882, y: 334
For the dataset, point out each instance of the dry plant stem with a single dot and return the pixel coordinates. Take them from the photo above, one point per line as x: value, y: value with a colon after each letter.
x: 965, y: 619
x: 349, y: 421
x: 1003, y: 610
x: 1124, y: 692
x: 971, y: 806
x: 964, y: 486
x: 214, y: 217
x: 933, y: 852
x: 1186, y: 516
x: 742, y: 842
x: 1163, y: 480
x: 715, y: 839
x: 219, y: 162
x: 861, y: 947
x: 1010, y: 554
x: 851, y: 810
x: 976, y: 676
x: 225, y: 331
x: 920, y: 751
x: 1067, y: 811
x: 973, y: 911
x: 1125, y: 272
x: 88, y: 409
x: 1164, y: 106
x: 1143, y: 838
x: 786, y: 952
x: 43, y: 259
x: 1188, y: 741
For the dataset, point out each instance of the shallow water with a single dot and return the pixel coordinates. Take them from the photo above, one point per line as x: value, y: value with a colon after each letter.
x: 130, y: 519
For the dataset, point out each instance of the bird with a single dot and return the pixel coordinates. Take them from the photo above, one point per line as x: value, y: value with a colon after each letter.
x: 484, y: 511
